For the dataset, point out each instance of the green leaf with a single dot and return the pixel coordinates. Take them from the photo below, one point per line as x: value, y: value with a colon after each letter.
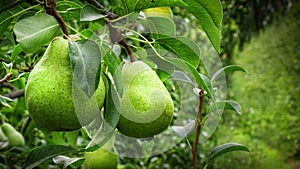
x: 225, y: 105
x: 6, y: 4
x: 67, y: 161
x: 90, y: 13
x: 3, y: 101
x: 138, y: 5
x: 16, y: 51
x: 210, y: 14
x: 161, y: 27
x: 85, y: 58
x: 227, y: 69
x: 164, y: 69
x: 225, y: 148
x: 201, y: 79
x: 35, y: 31
x: 110, y: 58
x: 43, y: 153
x: 111, y: 107
x: 184, y: 48
x: 69, y: 10
x: 7, y: 16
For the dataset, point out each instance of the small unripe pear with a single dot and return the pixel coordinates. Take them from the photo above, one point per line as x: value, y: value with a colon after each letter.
x: 146, y: 107
x: 14, y: 137
x: 51, y: 93
x: 103, y: 158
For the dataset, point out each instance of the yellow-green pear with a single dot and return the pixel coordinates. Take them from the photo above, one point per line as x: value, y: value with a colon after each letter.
x: 13, y: 136
x: 103, y: 158
x: 146, y: 107
x: 159, y: 12
x: 54, y: 100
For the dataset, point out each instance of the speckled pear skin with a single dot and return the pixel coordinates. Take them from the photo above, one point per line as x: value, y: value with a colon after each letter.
x: 146, y: 108
x: 49, y: 92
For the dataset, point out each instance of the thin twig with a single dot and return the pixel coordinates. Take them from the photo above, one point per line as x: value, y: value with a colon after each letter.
x: 50, y: 7
x: 15, y: 93
x: 6, y: 77
x: 198, y: 128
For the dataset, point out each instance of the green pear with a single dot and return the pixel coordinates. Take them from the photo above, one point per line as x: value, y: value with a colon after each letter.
x: 146, y: 107
x: 54, y: 100
x: 102, y: 158
x: 13, y: 136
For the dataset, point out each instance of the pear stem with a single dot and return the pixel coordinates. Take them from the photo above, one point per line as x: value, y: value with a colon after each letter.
x: 114, y: 33
x: 198, y: 128
x: 50, y: 6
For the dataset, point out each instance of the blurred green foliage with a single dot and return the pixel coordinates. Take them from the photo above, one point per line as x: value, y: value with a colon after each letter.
x: 270, y: 97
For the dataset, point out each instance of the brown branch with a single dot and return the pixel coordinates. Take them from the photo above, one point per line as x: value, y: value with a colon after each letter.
x: 6, y: 77
x: 50, y: 6
x: 198, y: 127
x: 109, y: 15
x: 127, y: 47
x: 114, y: 34
x: 9, y: 86
x: 15, y: 93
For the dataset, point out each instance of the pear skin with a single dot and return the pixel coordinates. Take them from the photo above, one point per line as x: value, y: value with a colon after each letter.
x: 51, y: 94
x: 146, y: 107
x: 103, y: 158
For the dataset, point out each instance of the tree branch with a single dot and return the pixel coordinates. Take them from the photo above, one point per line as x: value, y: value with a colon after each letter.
x: 15, y: 93
x: 50, y: 6
x: 198, y: 127
x: 6, y: 77
x: 109, y: 15
x: 115, y: 34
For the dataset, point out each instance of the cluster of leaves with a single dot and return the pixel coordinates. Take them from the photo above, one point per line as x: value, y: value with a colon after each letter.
x: 25, y: 29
